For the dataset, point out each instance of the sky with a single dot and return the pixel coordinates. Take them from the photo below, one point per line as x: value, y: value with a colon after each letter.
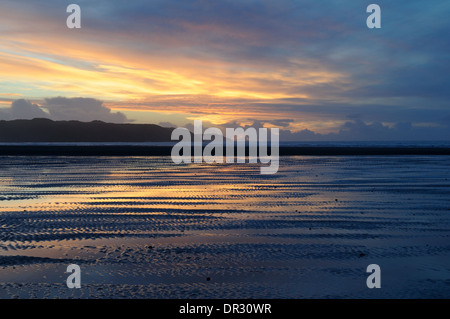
x: 312, y: 68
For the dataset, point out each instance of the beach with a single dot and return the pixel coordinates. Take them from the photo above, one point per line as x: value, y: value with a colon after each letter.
x: 140, y: 226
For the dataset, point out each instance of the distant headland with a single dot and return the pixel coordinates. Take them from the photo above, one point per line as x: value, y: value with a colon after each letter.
x: 45, y: 130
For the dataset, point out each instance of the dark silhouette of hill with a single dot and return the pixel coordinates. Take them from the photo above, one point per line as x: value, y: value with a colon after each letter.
x: 45, y: 130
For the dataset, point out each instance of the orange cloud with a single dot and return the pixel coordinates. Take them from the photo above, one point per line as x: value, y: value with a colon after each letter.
x: 65, y: 63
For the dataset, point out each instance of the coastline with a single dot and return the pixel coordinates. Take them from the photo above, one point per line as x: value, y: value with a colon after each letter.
x: 145, y: 150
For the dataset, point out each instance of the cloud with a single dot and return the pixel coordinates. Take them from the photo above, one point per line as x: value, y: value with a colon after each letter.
x: 355, y: 130
x: 62, y: 108
x: 22, y: 109
x: 315, y: 62
x: 81, y: 109
x: 358, y: 130
x: 167, y: 124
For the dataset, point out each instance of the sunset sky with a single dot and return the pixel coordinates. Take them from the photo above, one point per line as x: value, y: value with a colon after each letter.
x: 309, y: 67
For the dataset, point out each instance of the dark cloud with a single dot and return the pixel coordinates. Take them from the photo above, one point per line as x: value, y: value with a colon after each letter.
x: 61, y: 108
x: 81, y: 109
x: 352, y: 130
x: 23, y: 109
x: 357, y: 130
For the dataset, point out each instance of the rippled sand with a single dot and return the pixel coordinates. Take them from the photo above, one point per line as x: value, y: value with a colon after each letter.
x: 143, y: 227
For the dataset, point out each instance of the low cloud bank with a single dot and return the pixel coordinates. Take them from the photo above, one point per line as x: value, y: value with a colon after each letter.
x: 63, y: 109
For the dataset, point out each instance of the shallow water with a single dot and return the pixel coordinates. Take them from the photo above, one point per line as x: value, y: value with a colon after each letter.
x: 142, y: 227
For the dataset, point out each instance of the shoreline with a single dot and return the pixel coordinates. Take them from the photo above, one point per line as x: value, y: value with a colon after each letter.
x: 134, y: 150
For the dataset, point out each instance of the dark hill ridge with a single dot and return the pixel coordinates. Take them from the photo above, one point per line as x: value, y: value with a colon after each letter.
x: 45, y: 130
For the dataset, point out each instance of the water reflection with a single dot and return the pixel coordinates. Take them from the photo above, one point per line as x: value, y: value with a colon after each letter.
x: 145, y: 220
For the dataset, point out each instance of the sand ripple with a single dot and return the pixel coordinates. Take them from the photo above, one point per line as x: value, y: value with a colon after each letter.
x: 142, y: 227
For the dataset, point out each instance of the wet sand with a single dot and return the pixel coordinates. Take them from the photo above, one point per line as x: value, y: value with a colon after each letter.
x: 142, y: 227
